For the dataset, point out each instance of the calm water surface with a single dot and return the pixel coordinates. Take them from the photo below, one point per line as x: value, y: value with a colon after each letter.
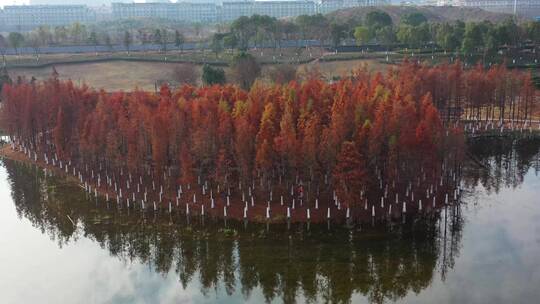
x: 58, y: 246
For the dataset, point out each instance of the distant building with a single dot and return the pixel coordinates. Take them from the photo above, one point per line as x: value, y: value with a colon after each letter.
x: 78, y: 2
x: 526, y: 8
x: 25, y: 17
x: 327, y: 6
x: 206, y: 11
x: 2, y: 21
x: 278, y: 9
x: 182, y: 11
x: 228, y: 10
x: 102, y: 12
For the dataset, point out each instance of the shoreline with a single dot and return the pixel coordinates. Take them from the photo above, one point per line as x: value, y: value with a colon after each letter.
x: 257, y: 213
x: 271, y: 212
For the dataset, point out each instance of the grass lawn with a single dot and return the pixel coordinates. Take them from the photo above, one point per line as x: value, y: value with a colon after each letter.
x: 117, y: 75
x: 127, y: 75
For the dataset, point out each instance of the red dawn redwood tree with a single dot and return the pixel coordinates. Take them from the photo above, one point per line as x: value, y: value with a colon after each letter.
x: 386, y: 127
x: 349, y: 174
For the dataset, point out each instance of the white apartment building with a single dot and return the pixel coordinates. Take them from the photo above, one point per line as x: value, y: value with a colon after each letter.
x: 228, y: 10
x: 232, y: 10
x: 26, y: 17
x: 327, y: 6
x: 526, y: 8
x: 183, y: 11
x: 23, y: 17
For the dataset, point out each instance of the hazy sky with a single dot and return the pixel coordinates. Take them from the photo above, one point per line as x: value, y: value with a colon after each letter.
x: 18, y: 2
x: 11, y: 2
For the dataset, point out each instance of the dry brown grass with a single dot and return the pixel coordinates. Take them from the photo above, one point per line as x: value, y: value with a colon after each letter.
x: 335, y: 69
x: 125, y: 75
x: 117, y: 75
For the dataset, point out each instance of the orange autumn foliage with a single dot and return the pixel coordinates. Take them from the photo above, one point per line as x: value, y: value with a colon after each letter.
x: 351, y: 131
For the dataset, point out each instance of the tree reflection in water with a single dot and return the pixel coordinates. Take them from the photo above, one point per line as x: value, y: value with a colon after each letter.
x: 500, y: 162
x: 384, y: 262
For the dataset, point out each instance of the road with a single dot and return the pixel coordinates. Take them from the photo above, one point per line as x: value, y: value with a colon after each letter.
x: 74, y: 49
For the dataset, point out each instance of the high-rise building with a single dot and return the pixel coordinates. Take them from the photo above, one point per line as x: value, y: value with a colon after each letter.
x: 77, y: 2
x: 278, y: 9
x: 526, y: 8
x: 25, y: 17
x: 327, y: 6
x: 182, y: 11
x: 227, y: 10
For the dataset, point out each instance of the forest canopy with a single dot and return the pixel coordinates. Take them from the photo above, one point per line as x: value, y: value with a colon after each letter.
x: 354, y: 133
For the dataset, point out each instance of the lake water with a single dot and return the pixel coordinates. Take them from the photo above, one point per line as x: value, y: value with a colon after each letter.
x: 59, y: 246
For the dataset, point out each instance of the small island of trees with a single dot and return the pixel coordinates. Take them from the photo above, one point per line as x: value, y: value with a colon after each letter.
x: 371, y: 144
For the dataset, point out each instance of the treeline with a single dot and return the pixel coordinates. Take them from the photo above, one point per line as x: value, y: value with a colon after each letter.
x: 495, y: 94
x: 355, y: 133
x: 42, y: 36
x: 80, y: 34
x: 413, y: 30
x: 350, y: 129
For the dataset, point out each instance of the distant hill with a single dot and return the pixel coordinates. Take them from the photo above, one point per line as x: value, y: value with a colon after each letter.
x: 432, y: 13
